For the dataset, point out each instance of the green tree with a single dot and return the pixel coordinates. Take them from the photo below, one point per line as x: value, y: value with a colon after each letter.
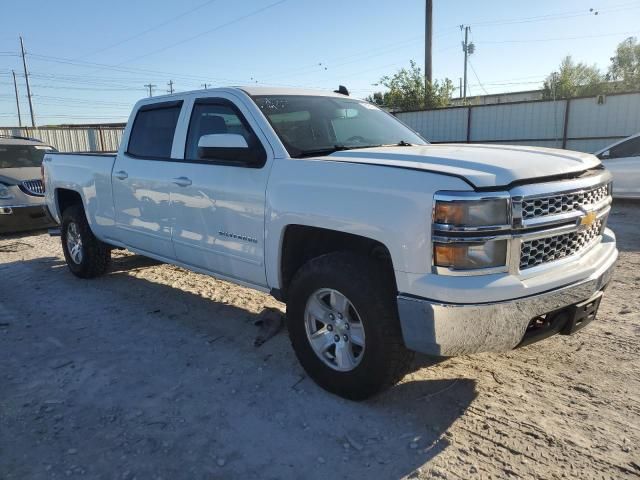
x: 574, y: 80
x: 377, y: 98
x: 406, y: 90
x: 625, y: 64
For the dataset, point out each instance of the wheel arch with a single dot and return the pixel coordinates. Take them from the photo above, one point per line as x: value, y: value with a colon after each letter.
x: 301, y: 243
x: 65, y: 198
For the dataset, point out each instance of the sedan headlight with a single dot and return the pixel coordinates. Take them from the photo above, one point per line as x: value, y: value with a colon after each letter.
x: 470, y: 256
x: 5, y: 193
x: 471, y: 213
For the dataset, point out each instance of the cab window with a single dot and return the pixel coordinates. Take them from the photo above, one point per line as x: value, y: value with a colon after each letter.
x: 217, y: 116
x: 153, y: 130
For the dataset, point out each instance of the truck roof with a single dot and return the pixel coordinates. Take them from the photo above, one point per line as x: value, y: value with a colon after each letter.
x: 253, y: 90
x: 250, y: 90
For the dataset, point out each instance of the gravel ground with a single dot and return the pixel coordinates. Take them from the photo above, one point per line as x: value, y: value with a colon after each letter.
x: 152, y: 372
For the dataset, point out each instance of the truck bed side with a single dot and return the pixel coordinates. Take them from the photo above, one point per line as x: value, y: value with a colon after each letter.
x: 87, y: 176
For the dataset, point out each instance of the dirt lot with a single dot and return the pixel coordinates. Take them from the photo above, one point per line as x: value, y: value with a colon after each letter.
x: 151, y: 372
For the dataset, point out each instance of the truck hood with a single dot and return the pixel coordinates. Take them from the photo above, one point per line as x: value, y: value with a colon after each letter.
x: 480, y: 165
x: 13, y: 176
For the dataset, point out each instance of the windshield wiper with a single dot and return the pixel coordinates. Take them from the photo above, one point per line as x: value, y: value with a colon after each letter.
x: 401, y: 143
x: 330, y: 150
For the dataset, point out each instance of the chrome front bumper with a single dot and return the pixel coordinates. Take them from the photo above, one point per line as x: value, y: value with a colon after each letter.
x: 450, y: 329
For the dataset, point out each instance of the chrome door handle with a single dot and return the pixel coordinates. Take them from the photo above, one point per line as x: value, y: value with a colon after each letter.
x: 182, y: 181
x: 121, y: 175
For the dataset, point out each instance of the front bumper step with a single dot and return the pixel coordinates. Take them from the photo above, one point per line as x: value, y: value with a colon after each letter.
x: 566, y: 321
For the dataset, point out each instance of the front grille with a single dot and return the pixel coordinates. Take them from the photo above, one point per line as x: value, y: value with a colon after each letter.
x: 544, y: 250
x: 563, y: 203
x: 33, y: 187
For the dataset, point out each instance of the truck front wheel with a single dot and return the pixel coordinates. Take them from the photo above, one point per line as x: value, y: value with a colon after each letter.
x: 86, y: 256
x: 343, y: 324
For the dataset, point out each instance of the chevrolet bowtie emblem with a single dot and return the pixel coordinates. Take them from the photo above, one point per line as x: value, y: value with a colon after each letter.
x: 588, y: 219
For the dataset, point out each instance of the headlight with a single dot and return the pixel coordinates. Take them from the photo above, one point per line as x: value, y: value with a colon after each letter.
x: 5, y: 194
x: 471, y: 213
x: 470, y: 256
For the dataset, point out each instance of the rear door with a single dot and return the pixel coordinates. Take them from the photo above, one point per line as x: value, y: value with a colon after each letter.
x: 142, y: 177
x: 623, y: 161
x: 219, y: 206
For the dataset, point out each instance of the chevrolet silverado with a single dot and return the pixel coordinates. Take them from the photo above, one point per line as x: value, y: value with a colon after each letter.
x: 379, y: 243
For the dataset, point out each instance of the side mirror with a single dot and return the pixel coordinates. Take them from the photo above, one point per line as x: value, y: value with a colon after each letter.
x: 604, y: 155
x: 225, y: 146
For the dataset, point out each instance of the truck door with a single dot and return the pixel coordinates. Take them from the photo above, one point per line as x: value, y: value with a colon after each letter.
x: 141, y: 180
x: 219, y: 203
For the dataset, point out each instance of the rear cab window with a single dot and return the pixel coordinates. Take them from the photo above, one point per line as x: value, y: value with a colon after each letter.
x: 153, y: 130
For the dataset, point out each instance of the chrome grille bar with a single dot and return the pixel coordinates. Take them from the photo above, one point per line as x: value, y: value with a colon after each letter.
x: 33, y: 187
x: 537, y: 207
x: 548, y: 249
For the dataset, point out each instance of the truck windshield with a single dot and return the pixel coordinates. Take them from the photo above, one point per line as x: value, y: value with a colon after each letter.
x: 18, y: 156
x: 314, y: 125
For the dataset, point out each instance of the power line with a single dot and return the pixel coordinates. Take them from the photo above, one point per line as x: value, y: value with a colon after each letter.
x: 191, y: 78
x: 559, y: 15
x: 148, y: 30
x: 117, y: 68
x: 206, y: 32
x: 88, y: 101
x: 476, y: 75
x: 580, y: 37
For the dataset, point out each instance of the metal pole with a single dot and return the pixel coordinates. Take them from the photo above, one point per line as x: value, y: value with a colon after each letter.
x: 460, y: 88
x: 466, y: 54
x: 428, y: 38
x: 170, y: 86
x: 26, y: 78
x: 15, y: 86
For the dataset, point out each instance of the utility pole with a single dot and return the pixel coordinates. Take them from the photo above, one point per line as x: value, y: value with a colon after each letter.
x: 205, y: 85
x: 428, y: 38
x: 150, y: 86
x: 15, y: 86
x: 460, y: 89
x: 170, y: 86
x: 26, y: 78
x: 468, y: 49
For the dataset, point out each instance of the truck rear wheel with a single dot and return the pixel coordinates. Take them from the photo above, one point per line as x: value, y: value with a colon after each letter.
x: 86, y: 256
x: 343, y: 324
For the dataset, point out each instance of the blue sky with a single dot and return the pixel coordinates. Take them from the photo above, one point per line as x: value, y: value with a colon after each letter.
x: 90, y: 60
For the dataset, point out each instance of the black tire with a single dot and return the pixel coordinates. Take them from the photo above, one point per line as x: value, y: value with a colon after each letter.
x: 369, y: 288
x: 96, y: 255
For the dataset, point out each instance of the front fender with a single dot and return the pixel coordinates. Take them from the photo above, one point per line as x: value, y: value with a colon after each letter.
x: 387, y: 204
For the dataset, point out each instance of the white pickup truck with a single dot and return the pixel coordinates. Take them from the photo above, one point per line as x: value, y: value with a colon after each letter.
x: 379, y: 243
